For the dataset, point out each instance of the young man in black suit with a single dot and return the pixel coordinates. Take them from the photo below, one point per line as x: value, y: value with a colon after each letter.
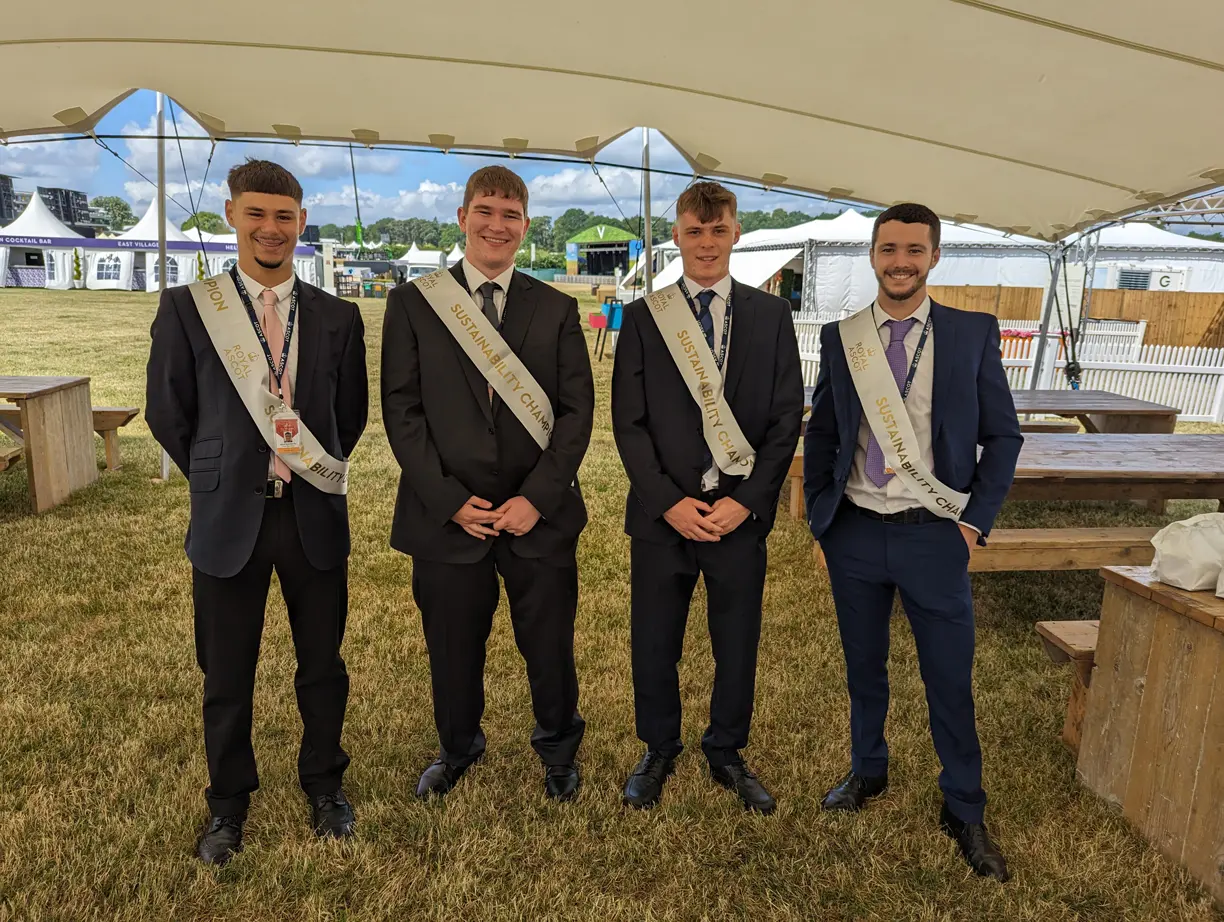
x: 231, y: 417
x: 707, y: 396
x: 489, y: 484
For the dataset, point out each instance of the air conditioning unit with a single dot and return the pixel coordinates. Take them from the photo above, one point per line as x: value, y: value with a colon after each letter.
x: 1168, y: 280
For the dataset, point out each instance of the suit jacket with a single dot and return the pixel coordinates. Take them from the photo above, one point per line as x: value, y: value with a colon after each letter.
x: 971, y: 405
x: 658, y: 426
x: 195, y: 413
x: 451, y: 443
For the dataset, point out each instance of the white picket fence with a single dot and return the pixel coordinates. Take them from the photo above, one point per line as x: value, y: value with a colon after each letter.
x: 1111, y: 354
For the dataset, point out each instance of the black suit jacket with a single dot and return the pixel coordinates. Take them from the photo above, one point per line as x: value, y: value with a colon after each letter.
x: 451, y: 443
x: 195, y: 413
x: 657, y: 423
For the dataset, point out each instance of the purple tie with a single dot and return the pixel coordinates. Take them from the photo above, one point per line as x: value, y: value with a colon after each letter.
x: 895, y: 353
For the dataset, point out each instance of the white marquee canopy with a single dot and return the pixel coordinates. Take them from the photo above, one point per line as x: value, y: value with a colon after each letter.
x: 1013, y: 114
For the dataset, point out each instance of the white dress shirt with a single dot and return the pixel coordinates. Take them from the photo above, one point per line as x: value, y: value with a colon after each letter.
x: 284, y: 297
x: 476, y: 278
x: 894, y: 496
x: 718, y: 311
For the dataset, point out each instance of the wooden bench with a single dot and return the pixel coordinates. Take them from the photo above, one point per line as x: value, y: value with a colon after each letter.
x: 107, y: 421
x: 1073, y: 642
x: 1010, y: 549
x: 10, y: 457
x: 1063, y: 549
x: 1049, y: 425
x: 795, y: 478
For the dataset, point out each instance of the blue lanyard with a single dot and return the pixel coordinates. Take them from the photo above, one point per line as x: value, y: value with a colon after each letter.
x: 263, y: 340
x: 722, y: 352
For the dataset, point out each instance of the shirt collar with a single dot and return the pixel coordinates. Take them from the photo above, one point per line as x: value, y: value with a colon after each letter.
x: 476, y: 278
x: 255, y: 290
x: 921, y: 315
x: 722, y: 287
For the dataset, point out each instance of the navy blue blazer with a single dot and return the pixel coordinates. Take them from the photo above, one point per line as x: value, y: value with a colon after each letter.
x: 971, y: 405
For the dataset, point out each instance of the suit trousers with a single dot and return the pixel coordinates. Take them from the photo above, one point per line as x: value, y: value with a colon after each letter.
x: 229, y: 619
x: 663, y: 579
x: 457, y: 603
x: 870, y: 561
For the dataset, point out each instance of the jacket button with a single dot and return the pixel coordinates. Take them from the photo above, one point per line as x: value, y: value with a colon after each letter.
x: 492, y: 431
x: 495, y: 473
x: 259, y: 491
x: 262, y: 449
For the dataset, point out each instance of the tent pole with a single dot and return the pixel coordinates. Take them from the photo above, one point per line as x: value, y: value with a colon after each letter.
x: 1039, y: 359
x: 161, y: 226
x: 647, y: 227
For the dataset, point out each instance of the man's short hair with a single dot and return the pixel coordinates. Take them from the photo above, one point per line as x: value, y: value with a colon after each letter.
x: 909, y: 213
x: 263, y: 176
x: 495, y: 180
x: 707, y: 201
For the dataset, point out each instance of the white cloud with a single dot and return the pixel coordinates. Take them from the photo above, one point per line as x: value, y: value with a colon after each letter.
x: 55, y: 163
x: 429, y: 200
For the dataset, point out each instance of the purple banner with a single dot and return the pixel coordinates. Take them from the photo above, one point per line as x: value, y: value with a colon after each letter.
x: 89, y: 243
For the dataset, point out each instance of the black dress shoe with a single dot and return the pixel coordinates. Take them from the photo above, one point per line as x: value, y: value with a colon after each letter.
x: 438, y: 779
x: 736, y: 777
x: 332, y: 816
x: 645, y: 785
x: 852, y: 792
x: 221, y: 839
x: 974, y: 841
x: 561, y: 782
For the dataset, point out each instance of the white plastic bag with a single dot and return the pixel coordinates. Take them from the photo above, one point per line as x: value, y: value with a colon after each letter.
x: 1190, y: 554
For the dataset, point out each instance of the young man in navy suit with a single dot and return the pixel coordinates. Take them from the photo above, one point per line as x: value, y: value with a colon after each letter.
x: 885, y: 528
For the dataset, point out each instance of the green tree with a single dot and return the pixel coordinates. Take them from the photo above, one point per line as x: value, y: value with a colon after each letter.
x: 209, y: 221
x: 118, y: 211
x: 450, y: 235
x: 540, y: 233
x: 570, y: 223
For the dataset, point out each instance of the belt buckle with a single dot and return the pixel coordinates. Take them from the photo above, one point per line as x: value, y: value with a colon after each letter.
x: 275, y: 489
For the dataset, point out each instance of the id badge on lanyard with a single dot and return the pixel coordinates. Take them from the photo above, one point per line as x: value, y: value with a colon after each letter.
x: 285, y: 421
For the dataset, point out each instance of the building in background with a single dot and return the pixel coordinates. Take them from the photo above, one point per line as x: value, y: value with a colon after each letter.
x: 8, y: 206
x: 601, y: 250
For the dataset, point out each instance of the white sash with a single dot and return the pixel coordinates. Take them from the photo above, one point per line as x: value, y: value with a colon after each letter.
x: 689, y: 350
x: 886, y: 416
x: 234, y: 338
x: 493, y: 358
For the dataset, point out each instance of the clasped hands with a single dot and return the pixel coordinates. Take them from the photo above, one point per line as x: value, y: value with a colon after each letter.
x: 700, y: 521
x: 480, y: 520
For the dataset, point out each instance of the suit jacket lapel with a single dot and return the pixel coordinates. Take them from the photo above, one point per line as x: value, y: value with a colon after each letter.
x: 520, y: 308
x: 309, y: 334
x: 943, y: 331
x: 477, y: 382
x: 743, y: 319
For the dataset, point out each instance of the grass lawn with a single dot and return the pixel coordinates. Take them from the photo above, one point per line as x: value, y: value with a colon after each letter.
x: 102, y: 764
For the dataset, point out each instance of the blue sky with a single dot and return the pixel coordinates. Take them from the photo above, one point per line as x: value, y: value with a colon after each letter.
x: 390, y: 183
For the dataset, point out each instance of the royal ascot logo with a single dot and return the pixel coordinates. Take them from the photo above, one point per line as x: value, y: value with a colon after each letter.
x: 429, y: 282
x: 860, y: 355
x: 240, y: 361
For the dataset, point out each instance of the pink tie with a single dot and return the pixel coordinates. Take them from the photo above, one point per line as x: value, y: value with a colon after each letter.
x: 276, y: 343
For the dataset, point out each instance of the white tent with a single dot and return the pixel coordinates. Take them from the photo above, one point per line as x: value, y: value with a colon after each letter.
x: 37, y: 230
x: 455, y: 256
x: 836, y: 251
x: 133, y: 261
x: 422, y: 262
x: 1018, y: 126
x: 1132, y: 255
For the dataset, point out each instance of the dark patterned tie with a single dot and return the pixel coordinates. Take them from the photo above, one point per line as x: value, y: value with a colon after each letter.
x: 490, y: 306
x: 706, y: 319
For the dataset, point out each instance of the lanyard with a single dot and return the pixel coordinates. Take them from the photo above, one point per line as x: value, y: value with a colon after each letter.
x: 722, y: 352
x: 263, y: 340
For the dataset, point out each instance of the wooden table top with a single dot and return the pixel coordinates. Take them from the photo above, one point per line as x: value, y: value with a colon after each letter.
x: 19, y: 388
x: 1202, y: 607
x: 1122, y: 457
x: 1071, y: 403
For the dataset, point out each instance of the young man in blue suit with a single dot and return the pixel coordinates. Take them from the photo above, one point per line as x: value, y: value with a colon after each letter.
x: 904, y: 510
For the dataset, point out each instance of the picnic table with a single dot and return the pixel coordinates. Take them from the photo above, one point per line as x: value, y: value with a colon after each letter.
x: 1147, y: 466
x: 1152, y: 736
x: 1099, y: 411
x: 55, y: 433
